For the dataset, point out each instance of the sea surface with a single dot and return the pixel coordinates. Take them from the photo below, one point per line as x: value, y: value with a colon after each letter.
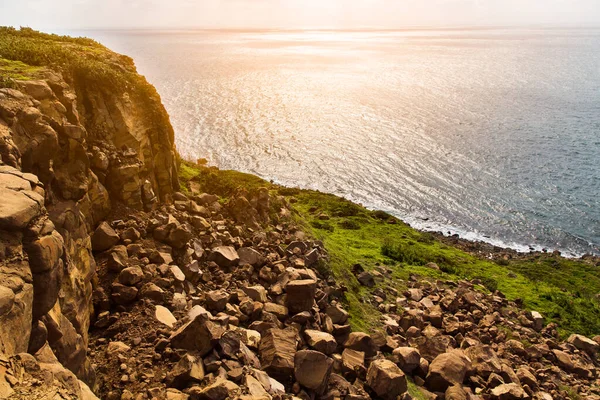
x: 493, y: 134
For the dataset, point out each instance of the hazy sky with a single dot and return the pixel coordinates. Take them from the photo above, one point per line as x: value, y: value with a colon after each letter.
x: 49, y: 14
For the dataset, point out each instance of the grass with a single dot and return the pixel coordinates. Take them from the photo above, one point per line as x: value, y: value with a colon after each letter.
x: 414, y: 390
x: 221, y: 182
x: 11, y: 71
x: 83, y: 62
x: 563, y: 290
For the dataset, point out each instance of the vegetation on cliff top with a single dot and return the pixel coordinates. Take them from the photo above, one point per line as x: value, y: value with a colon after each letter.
x: 81, y: 61
x: 564, y: 290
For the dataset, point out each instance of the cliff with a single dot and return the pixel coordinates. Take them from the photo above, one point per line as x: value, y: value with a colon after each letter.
x: 80, y: 132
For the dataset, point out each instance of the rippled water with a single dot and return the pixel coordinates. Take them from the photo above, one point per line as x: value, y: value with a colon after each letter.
x: 493, y: 134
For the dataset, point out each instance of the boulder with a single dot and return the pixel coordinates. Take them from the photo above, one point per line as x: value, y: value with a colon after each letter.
x: 300, y: 295
x: 104, y: 237
x: 131, y: 276
x: 200, y: 335
x: 256, y: 293
x: 189, y: 369
x: 407, y: 358
x: 320, y: 341
x: 509, y: 391
x: 386, y: 379
x: 456, y: 393
x: 527, y: 378
x: 250, y: 256
x: 352, y: 360
x: 337, y: 314
x: 164, y: 316
x: 366, y: 279
x: 484, y: 361
x: 312, y: 369
x: 277, y: 352
x: 224, y: 256
x: 361, y: 341
x: 584, y: 344
x: 221, y: 389
x: 563, y: 360
x: 216, y: 300
x: 538, y: 321
x: 446, y: 370
x: 152, y: 292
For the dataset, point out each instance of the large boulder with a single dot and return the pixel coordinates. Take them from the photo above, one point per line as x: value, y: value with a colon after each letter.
x: 312, y: 369
x: 224, y: 256
x: 189, y: 369
x: 386, y: 379
x: 363, y: 342
x: 584, y: 344
x: 407, y: 358
x: 250, y: 256
x: 446, y: 370
x: 200, y: 335
x: 484, y: 361
x: 509, y: 391
x: 277, y: 352
x: 320, y: 341
x: 300, y: 295
x: 104, y: 237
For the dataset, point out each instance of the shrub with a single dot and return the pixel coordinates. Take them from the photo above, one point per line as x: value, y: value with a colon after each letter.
x: 349, y: 224
x: 322, y: 225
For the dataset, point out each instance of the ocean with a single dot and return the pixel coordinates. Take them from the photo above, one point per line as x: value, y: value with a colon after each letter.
x: 492, y: 134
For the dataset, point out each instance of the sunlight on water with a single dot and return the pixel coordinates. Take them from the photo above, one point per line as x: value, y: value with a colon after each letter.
x: 490, y: 133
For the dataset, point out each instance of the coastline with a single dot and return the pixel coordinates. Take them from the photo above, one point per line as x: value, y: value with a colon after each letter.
x: 449, y: 233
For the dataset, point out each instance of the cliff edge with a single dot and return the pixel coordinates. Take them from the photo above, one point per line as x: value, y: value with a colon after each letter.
x: 80, y: 132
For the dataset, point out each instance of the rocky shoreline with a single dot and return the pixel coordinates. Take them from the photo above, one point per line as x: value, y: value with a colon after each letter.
x: 114, y: 284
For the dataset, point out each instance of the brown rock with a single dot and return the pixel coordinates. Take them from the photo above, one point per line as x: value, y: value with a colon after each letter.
x: 337, y: 314
x: 221, y: 389
x: 456, y: 393
x: 224, y: 256
x: 199, y: 335
x: 300, y: 295
x: 483, y: 361
x: 256, y: 293
x: 320, y: 341
x: 188, y: 369
x: 312, y: 369
x: 360, y: 341
x: 277, y: 352
x: 386, y: 379
x: 104, y: 237
x: 407, y: 358
x: 563, y: 360
x: 216, y: 300
x: 509, y: 391
x: 250, y: 256
x: 584, y: 344
x: 446, y: 370
x: 352, y: 360
x: 131, y: 276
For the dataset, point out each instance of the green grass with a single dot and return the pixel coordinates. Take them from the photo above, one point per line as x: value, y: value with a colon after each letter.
x: 11, y: 71
x: 414, y: 390
x: 220, y: 182
x: 84, y: 63
x: 563, y: 290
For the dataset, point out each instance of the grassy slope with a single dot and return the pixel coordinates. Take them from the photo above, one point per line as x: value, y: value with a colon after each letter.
x: 563, y: 290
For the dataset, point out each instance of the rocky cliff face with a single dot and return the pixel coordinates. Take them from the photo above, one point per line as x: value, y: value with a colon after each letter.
x: 69, y: 152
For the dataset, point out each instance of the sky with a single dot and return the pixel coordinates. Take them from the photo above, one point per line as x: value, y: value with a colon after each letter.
x: 292, y: 14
